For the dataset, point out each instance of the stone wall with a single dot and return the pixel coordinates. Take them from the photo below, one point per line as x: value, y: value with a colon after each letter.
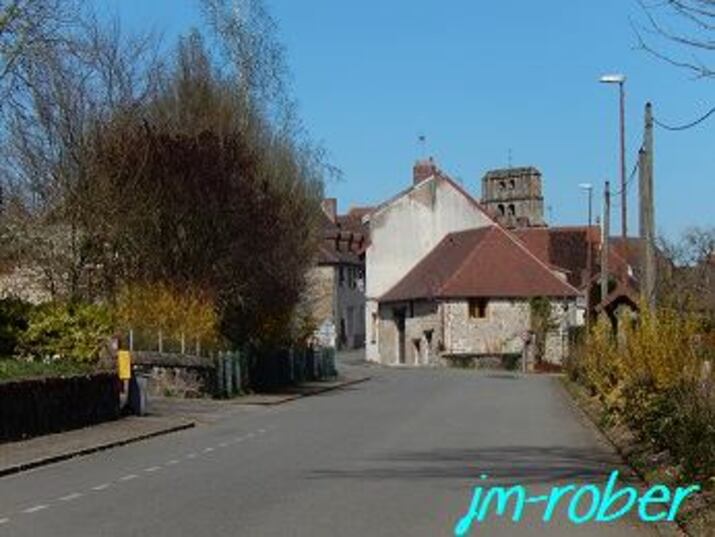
x: 500, y: 332
x: 434, y: 330
x: 422, y: 333
x: 319, y: 300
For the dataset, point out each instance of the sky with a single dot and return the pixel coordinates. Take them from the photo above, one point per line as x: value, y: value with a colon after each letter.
x: 488, y: 84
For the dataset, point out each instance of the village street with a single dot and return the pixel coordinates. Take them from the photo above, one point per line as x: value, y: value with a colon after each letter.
x: 397, y: 455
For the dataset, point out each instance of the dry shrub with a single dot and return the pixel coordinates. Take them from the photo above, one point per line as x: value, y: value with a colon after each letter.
x: 174, y: 312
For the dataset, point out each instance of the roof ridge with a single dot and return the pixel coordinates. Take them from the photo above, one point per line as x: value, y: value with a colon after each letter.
x: 521, y: 245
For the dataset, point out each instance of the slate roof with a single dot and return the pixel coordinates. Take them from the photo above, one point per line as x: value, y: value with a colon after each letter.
x: 484, y: 262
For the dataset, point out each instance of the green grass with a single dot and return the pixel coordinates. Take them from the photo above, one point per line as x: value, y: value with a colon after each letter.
x: 11, y: 369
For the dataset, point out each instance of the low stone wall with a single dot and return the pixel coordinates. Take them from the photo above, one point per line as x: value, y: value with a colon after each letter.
x: 177, y: 375
x: 51, y: 405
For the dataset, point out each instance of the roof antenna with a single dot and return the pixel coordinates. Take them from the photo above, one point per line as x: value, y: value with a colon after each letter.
x: 509, y: 158
x: 422, y: 146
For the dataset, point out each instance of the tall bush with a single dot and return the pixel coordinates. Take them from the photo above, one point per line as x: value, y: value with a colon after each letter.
x: 77, y: 332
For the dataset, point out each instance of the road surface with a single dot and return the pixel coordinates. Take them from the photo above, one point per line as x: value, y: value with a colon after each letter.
x: 398, y: 455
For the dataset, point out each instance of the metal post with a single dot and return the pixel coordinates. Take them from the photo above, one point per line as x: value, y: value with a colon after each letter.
x: 589, y: 262
x: 624, y: 193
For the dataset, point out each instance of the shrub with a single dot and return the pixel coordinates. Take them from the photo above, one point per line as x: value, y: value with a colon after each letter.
x: 75, y: 332
x: 13, y: 322
x: 160, y: 307
x: 652, y: 378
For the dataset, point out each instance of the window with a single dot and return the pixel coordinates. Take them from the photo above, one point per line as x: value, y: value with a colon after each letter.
x: 512, y: 184
x: 501, y: 209
x: 512, y: 210
x: 341, y: 276
x: 502, y: 185
x: 478, y: 308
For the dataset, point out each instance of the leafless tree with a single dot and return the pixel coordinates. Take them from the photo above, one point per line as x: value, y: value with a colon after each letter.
x: 70, y: 86
x: 680, y: 32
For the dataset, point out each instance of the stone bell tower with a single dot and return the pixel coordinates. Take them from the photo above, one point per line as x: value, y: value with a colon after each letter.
x: 512, y: 196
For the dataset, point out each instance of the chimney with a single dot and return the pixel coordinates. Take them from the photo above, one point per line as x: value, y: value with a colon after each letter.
x: 330, y: 208
x: 423, y: 169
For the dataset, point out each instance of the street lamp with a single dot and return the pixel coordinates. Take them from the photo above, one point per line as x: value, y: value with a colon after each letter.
x: 588, y: 187
x: 621, y: 80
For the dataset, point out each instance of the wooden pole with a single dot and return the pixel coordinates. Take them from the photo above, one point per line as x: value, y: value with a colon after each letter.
x: 606, y: 236
x: 648, y: 212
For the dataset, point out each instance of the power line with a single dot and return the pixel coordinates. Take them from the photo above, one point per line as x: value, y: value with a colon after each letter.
x: 687, y: 125
x: 628, y: 181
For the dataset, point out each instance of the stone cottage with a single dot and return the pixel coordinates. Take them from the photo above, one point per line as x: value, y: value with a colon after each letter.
x: 336, y: 284
x: 406, y: 228
x: 470, y: 298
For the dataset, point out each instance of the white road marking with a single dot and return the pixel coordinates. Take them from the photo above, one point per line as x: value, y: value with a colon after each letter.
x: 128, y: 477
x: 191, y: 456
x: 152, y: 469
x: 35, y: 509
x: 208, y: 450
x: 250, y: 435
x: 4, y: 520
x: 223, y: 445
x: 71, y: 497
x: 261, y: 431
x: 172, y: 462
x: 103, y: 486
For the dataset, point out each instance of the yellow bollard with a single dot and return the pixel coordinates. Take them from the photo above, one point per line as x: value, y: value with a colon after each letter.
x: 124, y: 365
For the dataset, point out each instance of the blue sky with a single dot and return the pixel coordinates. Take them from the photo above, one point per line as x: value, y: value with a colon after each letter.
x: 480, y: 80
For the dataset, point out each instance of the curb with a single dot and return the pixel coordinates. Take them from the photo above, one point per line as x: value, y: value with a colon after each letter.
x: 292, y: 397
x: 25, y: 466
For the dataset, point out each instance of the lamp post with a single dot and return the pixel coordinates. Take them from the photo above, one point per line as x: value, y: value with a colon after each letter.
x: 588, y: 187
x: 621, y: 80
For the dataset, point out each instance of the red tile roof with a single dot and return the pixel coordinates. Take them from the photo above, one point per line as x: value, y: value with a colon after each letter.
x: 343, y: 241
x: 483, y: 262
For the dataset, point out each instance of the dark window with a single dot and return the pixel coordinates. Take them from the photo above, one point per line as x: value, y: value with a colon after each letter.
x: 478, y: 308
x: 501, y: 210
x: 512, y: 210
x: 512, y: 184
x: 341, y: 277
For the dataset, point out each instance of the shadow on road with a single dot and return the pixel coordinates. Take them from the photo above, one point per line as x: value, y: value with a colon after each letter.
x: 524, y: 464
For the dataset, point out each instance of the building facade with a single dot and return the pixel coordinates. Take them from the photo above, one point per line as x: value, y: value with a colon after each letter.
x: 336, y: 284
x: 471, y: 298
x: 405, y: 229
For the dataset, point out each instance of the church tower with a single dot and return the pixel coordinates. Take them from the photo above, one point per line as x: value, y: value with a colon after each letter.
x: 513, y: 197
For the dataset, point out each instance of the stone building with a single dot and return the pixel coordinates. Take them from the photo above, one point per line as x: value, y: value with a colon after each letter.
x: 513, y: 197
x: 336, y: 285
x: 407, y: 227
x: 469, y: 298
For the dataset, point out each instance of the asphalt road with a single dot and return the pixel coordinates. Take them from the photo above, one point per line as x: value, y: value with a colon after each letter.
x: 398, y: 455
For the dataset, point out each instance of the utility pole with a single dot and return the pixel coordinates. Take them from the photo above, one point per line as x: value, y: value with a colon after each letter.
x: 589, y: 261
x: 647, y: 211
x: 606, y: 234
